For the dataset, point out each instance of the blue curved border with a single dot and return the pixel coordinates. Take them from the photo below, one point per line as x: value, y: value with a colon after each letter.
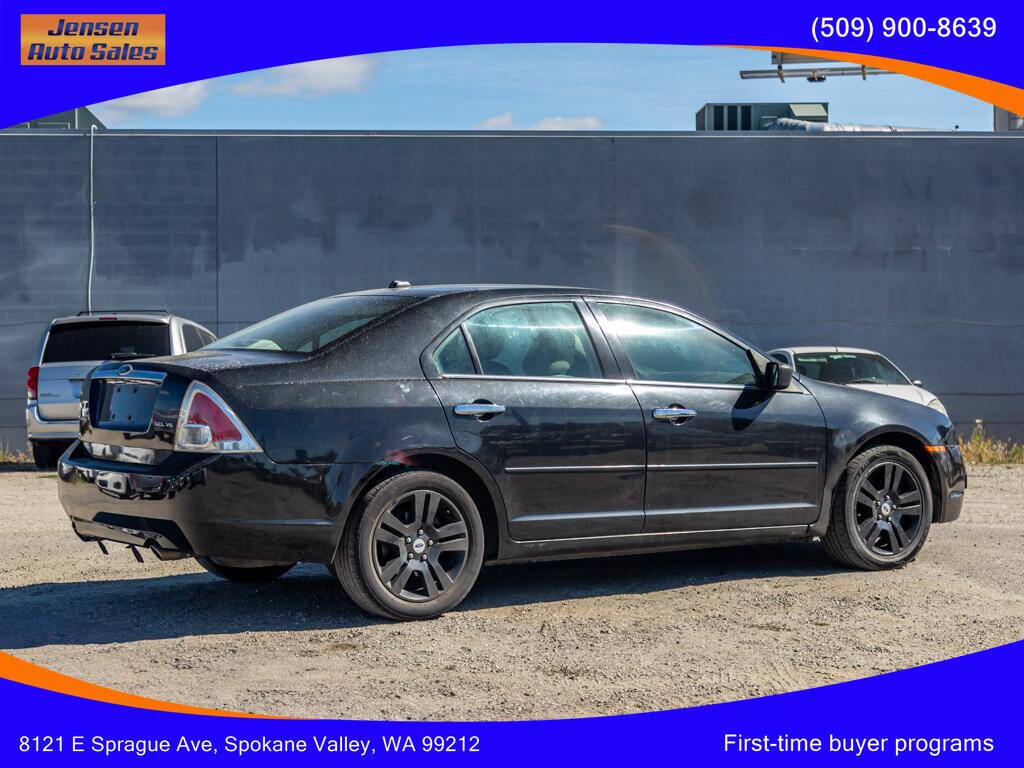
x: 209, y: 39
x: 974, y: 696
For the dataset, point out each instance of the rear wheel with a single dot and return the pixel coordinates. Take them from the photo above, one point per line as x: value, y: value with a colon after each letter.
x: 45, y: 455
x: 413, y: 548
x: 246, y: 571
x: 881, y: 510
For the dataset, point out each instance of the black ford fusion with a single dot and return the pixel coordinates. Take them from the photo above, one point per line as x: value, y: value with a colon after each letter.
x: 407, y: 436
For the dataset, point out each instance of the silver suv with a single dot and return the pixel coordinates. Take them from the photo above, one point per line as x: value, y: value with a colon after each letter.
x: 73, y: 346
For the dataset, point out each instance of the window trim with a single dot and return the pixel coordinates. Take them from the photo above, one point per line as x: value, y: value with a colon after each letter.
x: 627, y: 365
x: 561, y: 379
x: 606, y: 358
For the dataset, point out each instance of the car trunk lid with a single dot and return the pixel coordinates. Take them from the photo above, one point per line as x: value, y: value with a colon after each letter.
x: 137, y: 404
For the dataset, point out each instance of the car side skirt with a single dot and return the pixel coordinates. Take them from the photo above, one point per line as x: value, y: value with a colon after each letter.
x: 601, y: 546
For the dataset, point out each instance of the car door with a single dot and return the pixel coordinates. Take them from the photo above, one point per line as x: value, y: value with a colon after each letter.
x: 723, y: 452
x: 531, y: 390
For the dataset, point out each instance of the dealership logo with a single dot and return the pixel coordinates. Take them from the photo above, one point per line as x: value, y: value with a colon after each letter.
x: 56, y: 39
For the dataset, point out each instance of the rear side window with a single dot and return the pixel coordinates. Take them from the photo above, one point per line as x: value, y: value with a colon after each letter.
x: 543, y: 339
x: 453, y: 357
x: 313, y: 326
x: 193, y: 338
x: 102, y: 340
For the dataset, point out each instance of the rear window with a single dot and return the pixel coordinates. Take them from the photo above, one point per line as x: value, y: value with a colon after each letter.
x: 102, y: 340
x: 315, y: 325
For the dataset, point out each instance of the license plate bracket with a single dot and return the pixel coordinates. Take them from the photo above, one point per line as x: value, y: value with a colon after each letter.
x: 127, y: 406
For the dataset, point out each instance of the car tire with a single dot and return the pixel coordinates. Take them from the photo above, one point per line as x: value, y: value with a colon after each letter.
x: 412, y: 548
x: 245, y: 574
x: 881, y: 511
x: 45, y: 455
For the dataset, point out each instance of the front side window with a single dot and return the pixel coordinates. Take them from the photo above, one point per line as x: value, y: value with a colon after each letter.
x: 312, y: 326
x: 662, y: 346
x: 542, y: 339
x: 849, y: 368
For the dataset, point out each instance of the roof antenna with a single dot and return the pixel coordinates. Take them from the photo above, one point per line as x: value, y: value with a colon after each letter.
x: 399, y: 284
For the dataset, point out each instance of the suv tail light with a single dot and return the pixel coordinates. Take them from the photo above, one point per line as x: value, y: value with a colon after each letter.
x: 206, y: 424
x: 33, y: 383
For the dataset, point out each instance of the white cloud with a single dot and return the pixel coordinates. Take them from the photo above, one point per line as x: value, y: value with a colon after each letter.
x: 582, y: 123
x: 502, y: 122
x: 175, y: 101
x: 314, y: 78
x: 506, y: 121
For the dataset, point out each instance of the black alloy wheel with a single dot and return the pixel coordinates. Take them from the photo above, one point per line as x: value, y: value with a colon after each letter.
x: 421, y: 543
x: 881, y: 510
x: 413, y: 548
x: 889, y: 510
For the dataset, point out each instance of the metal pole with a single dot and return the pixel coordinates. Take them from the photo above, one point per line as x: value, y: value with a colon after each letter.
x: 92, y: 215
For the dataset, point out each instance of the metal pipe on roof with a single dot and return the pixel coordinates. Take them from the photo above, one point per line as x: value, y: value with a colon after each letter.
x: 92, y: 215
x: 792, y: 124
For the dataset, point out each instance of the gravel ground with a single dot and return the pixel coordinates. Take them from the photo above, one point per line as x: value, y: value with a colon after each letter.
x: 555, y: 640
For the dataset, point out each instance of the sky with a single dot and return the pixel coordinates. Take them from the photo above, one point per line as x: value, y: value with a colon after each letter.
x: 544, y: 87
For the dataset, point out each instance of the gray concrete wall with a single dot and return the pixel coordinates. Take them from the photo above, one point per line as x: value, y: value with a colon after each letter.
x: 913, y: 245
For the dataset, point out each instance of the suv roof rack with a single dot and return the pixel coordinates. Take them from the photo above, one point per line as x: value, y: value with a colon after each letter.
x: 85, y: 312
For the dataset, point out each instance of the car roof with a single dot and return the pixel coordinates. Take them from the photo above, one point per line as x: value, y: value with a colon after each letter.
x: 106, y: 316
x: 825, y: 350
x: 496, y: 289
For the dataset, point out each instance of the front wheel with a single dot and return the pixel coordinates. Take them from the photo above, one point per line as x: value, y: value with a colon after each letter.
x: 413, y: 548
x: 881, y: 510
x: 245, y: 571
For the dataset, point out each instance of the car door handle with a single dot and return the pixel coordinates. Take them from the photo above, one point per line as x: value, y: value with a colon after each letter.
x: 479, y: 410
x: 675, y: 414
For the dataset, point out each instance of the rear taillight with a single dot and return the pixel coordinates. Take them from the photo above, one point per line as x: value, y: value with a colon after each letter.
x: 33, y: 383
x: 207, y: 424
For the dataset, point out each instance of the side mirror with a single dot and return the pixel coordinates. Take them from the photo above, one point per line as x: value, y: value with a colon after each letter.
x: 917, y: 383
x: 778, y: 376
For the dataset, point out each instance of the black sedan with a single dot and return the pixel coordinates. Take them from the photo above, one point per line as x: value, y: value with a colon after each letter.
x: 408, y: 435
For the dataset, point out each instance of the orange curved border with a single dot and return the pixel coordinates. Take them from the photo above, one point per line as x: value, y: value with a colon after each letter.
x: 1000, y: 94
x: 20, y: 671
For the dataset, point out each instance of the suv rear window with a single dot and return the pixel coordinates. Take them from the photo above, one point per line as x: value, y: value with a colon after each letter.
x: 101, y: 340
x: 310, y: 327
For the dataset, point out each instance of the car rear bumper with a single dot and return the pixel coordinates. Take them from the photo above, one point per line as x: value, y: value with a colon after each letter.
x: 42, y: 429
x: 240, y: 506
x: 953, y: 483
